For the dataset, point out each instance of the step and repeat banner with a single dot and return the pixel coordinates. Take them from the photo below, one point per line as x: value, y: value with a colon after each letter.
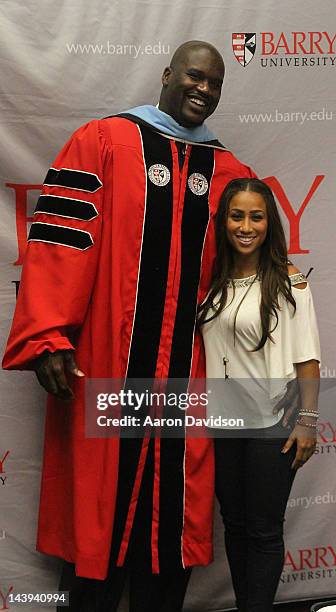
x: 64, y: 63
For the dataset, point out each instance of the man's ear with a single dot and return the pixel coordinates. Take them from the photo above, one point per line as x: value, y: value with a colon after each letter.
x: 165, y: 76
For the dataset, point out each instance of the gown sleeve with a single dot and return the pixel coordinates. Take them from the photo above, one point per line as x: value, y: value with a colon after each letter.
x: 62, y: 252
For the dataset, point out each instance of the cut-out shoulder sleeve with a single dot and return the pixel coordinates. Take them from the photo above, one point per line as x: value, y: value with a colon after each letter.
x: 297, y: 279
x: 296, y: 337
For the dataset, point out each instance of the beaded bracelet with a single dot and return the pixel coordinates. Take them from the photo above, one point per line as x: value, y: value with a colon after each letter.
x: 307, y: 424
x: 309, y: 413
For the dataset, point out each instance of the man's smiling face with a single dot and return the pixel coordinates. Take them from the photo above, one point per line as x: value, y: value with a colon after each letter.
x: 192, y: 87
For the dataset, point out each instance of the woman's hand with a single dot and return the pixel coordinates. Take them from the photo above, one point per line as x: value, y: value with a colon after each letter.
x: 305, y: 438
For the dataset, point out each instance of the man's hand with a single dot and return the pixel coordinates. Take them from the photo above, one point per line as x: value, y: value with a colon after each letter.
x: 305, y: 438
x: 51, y: 368
x: 290, y: 403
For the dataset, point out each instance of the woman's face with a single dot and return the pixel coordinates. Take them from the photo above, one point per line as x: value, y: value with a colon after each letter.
x: 246, y: 226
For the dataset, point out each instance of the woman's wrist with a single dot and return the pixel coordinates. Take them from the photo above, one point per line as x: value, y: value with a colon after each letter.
x: 308, y: 413
x: 307, y: 421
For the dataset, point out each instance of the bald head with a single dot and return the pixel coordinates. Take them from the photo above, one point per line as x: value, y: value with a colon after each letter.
x: 191, y: 84
x: 182, y: 51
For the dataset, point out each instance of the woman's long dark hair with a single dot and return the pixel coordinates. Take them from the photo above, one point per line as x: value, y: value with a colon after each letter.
x: 272, y: 268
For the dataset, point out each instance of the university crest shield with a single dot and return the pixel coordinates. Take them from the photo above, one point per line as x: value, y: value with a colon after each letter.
x: 244, y: 46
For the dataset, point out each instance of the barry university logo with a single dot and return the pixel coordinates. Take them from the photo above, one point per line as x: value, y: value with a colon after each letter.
x: 198, y: 184
x: 244, y: 46
x: 159, y: 175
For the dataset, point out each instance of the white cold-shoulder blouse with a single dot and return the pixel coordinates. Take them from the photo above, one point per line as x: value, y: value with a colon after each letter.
x: 257, y: 379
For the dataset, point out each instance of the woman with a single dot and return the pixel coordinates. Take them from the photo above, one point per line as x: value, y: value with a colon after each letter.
x: 259, y: 330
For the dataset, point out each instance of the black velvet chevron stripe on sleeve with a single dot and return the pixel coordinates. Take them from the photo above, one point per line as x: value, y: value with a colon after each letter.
x: 66, y: 207
x: 73, y: 179
x: 59, y: 234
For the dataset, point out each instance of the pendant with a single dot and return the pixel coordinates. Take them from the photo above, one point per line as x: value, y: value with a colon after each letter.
x: 225, y: 362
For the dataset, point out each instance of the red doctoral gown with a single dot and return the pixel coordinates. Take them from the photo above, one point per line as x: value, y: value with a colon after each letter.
x: 121, y: 249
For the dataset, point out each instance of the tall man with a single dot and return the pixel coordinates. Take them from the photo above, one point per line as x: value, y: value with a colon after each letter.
x: 120, y: 250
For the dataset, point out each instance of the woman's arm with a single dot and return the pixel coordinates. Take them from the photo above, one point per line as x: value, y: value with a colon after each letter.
x: 308, y: 374
x: 304, y: 433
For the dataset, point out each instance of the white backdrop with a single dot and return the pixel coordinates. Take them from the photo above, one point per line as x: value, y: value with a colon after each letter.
x: 63, y: 63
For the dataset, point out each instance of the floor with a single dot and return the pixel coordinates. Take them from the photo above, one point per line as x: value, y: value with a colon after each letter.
x: 300, y: 606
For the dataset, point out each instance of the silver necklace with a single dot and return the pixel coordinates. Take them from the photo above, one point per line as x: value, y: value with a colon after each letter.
x: 236, y: 283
